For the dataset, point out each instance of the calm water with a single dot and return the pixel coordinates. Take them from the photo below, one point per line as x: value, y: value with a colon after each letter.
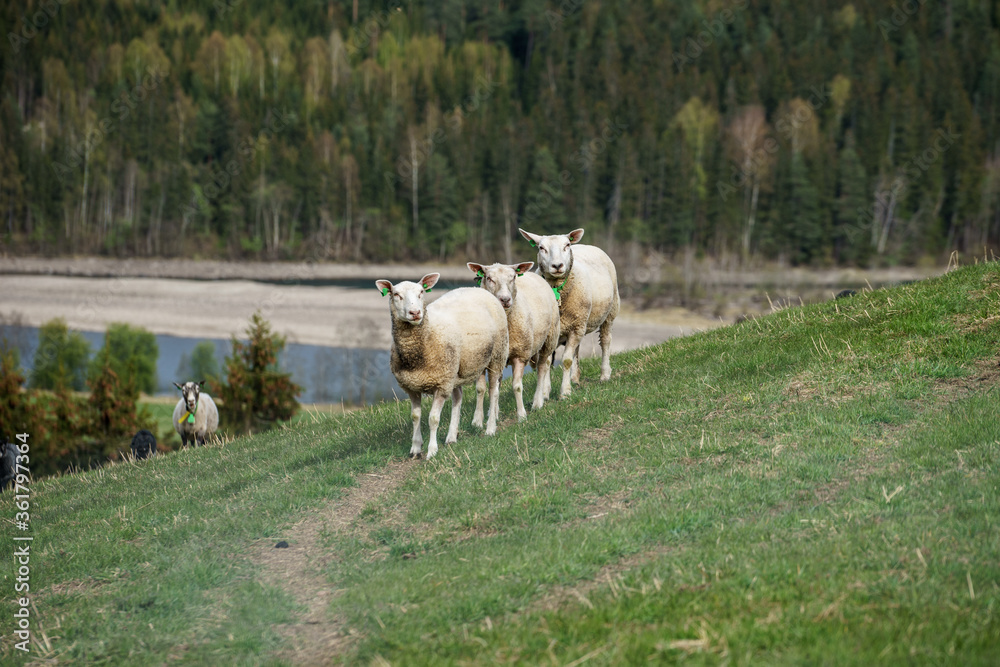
x: 326, y: 374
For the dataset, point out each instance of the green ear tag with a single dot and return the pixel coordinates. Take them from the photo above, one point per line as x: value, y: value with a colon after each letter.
x: 190, y: 419
x: 426, y: 288
x: 385, y: 290
x: 533, y: 244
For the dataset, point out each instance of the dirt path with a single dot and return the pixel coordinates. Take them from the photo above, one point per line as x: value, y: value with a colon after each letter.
x: 317, y: 635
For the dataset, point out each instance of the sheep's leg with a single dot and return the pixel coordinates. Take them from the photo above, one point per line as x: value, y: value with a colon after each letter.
x: 542, y: 387
x: 548, y: 371
x: 456, y: 411
x: 491, y: 421
x: 576, y: 362
x: 606, y: 350
x: 570, y: 354
x: 418, y: 440
x: 434, y: 419
x: 477, y: 416
x: 518, y: 379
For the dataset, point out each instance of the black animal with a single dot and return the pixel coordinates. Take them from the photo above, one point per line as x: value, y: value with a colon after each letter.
x: 844, y: 293
x: 143, y: 444
x: 8, y: 463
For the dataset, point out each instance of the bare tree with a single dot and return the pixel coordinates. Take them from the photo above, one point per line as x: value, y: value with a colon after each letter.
x: 748, y: 134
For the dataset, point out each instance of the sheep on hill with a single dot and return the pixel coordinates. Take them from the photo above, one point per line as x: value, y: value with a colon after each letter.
x: 440, y: 347
x: 143, y: 445
x: 585, y: 282
x: 195, y: 416
x: 532, y: 324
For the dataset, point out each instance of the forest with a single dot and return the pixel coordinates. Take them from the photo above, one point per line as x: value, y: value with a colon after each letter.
x: 816, y: 134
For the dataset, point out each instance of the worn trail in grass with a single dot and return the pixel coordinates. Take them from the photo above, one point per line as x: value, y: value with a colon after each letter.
x: 315, y: 635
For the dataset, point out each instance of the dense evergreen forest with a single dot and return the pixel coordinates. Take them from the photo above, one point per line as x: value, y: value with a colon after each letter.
x: 815, y: 133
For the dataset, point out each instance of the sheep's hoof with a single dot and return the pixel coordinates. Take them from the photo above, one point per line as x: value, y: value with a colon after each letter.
x: 418, y: 455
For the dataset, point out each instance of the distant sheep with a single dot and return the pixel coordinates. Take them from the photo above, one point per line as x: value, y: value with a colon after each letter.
x: 438, y: 348
x: 195, y: 418
x: 143, y: 445
x: 8, y: 463
x: 586, y: 283
x: 532, y: 324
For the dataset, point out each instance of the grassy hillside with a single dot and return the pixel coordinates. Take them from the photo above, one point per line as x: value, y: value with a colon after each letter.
x: 820, y: 485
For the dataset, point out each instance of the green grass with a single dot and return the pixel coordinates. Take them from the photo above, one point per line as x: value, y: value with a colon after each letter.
x: 817, y: 486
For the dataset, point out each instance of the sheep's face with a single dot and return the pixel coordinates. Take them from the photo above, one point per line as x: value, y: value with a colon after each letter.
x: 190, y: 391
x: 500, y: 280
x: 406, y: 299
x: 555, y: 253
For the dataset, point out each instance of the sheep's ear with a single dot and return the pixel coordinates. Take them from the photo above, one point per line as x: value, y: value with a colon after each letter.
x: 531, y: 238
x: 523, y: 267
x: 384, y: 286
x: 575, y: 235
x: 178, y: 386
x: 479, y: 271
x: 429, y: 281
x: 201, y: 384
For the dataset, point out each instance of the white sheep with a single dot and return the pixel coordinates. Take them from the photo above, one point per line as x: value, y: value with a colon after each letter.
x: 439, y: 348
x: 585, y: 281
x: 195, y: 417
x: 532, y: 324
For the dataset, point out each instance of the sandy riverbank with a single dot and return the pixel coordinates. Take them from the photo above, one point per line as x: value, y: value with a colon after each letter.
x: 90, y: 293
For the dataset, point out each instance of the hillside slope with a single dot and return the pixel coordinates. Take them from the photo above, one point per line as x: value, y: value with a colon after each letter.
x: 816, y: 485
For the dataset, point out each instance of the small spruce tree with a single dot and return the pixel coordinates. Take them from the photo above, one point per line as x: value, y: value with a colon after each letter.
x: 112, y: 402
x: 256, y: 393
x: 12, y: 403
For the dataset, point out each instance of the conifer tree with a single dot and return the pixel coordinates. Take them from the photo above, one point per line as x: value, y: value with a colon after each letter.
x: 256, y: 393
